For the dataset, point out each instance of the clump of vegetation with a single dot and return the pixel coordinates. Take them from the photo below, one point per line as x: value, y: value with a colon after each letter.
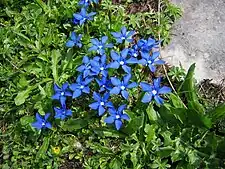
x: 81, y: 88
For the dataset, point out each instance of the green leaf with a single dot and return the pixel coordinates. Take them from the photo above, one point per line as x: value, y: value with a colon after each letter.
x: 165, y: 151
x: 115, y: 164
x: 43, y: 149
x: 152, y: 114
x: 177, y: 102
x: 55, y: 60
x: 74, y: 124
x: 22, y: 96
x: 150, y: 130
x: 190, y: 91
x: 218, y: 113
x: 134, y: 158
x: 25, y: 120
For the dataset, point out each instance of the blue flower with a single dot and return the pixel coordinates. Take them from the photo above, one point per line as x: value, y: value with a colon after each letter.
x: 62, y: 113
x: 104, y: 84
x: 81, y: 86
x: 83, y: 16
x: 61, y: 93
x: 100, y: 45
x: 123, y: 35
x: 101, y: 104
x: 121, y: 60
x: 41, y: 122
x: 147, y: 45
x: 87, y: 67
x: 122, y: 86
x: 154, y: 91
x: 116, y: 116
x: 100, y: 66
x: 134, y: 51
x: 74, y: 40
x: 87, y: 2
x: 150, y: 61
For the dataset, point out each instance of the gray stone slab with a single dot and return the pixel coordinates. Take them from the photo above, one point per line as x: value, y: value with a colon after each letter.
x: 199, y: 37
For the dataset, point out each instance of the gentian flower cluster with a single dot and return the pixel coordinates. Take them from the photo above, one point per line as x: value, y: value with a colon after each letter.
x: 96, y: 69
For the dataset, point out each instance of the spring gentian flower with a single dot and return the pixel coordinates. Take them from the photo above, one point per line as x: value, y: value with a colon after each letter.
x: 61, y: 93
x: 154, y: 91
x: 99, y: 65
x: 86, y: 68
x: 147, y: 45
x: 134, y: 51
x: 62, y: 113
x: 121, y: 60
x: 123, y: 35
x: 81, y: 86
x: 41, y: 122
x: 116, y: 116
x: 100, y: 45
x: 101, y: 103
x: 151, y: 61
x: 87, y: 2
x: 122, y: 86
x: 83, y: 16
x: 74, y: 40
x: 104, y: 84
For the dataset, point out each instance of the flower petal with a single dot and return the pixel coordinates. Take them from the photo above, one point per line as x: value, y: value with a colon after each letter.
x: 125, y: 94
x: 57, y: 88
x: 109, y: 104
x: 115, y: 90
x: 118, y: 124
x: 126, y: 79
x: 56, y: 96
x: 155, y: 55
x: 94, y: 105
x: 156, y: 83
x: 115, y: 81
x: 158, y: 99
x: 104, y: 39
x: 147, y: 97
x: 101, y: 110
x: 116, y: 34
x: 121, y: 108
x: 38, y: 117
x: 76, y: 93
x: 70, y: 44
x: 62, y: 100
x: 124, y: 31
x: 152, y: 68
x: 114, y: 65
x: 85, y: 59
x: 86, y: 90
x: 47, y: 116
x: 114, y: 55
x: 146, y: 87
x: 48, y: 125
x: 125, y: 117
x: 132, y: 85
x: 106, y: 96
x: 126, y: 68
x: 159, y: 62
x: 164, y: 90
x: 142, y: 62
x: 132, y: 60
x: 37, y: 125
x: 109, y: 120
x: 97, y: 96
x: 124, y: 53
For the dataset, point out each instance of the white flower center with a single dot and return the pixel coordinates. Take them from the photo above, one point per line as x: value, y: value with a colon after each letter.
x: 82, y: 87
x: 122, y: 62
x: 43, y: 124
x: 86, y: 1
x: 102, y: 103
x: 62, y: 93
x: 154, y: 92
x: 100, y: 47
x: 89, y: 67
x: 150, y: 62
x: 123, y: 38
x: 117, y: 116
x: 103, y: 85
x: 64, y: 112
x: 122, y: 87
x: 135, y: 55
x: 102, y: 68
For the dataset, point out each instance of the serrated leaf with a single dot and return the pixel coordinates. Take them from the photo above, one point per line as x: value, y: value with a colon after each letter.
x: 190, y: 91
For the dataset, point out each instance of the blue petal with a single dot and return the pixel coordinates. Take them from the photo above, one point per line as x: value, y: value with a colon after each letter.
x: 114, y: 65
x: 125, y: 94
x: 146, y: 87
x: 37, y: 125
x: 152, y: 68
x: 86, y: 73
x: 47, y: 116
x: 145, y: 55
x: 79, y: 78
x: 164, y: 90
x: 73, y: 36
x: 130, y: 33
x: 109, y: 104
x: 85, y: 60
x: 124, y: 31
x: 115, y: 90
x: 56, y: 96
x: 81, y: 68
x: 121, y: 108
x: 95, y: 41
x: 124, y: 53
x: 159, y: 62
x: 104, y: 39
x: 115, y: 55
x: 156, y: 83
x: 70, y: 44
x: 76, y: 93
x: 147, y: 97
x: 78, y: 16
x: 101, y: 110
x: 115, y: 81
x: 93, y: 48
x: 112, y: 111
x: 38, y: 117
x: 57, y: 110
x: 94, y: 105
x: 109, y: 120
x: 48, y: 125
x: 132, y: 85
x: 125, y: 117
x: 62, y: 100
x: 155, y: 55
x: 67, y: 93
x: 91, y: 14
x: 110, y: 45
x: 103, y: 59
x: 97, y: 96
x: 74, y: 86
x: 57, y: 88
x: 118, y: 124
x: 86, y: 90
x: 116, y: 34
x: 132, y: 60
x: 158, y: 100
x: 106, y: 96
x: 87, y: 81
x: 142, y: 62
x: 69, y: 112
x: 126, y: 79
x: 126, y: 68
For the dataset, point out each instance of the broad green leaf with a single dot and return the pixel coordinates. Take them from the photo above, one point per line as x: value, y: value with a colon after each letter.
x: 150, y: 130
x: 218, y: 113
x: 74, y: 124
x: 165, y: 151
x: 55, y: 60
x: 22, y: 96
x: 177, y: 102
x: 134, y: 158
x: 104, y: 132
x: 190, y: 91
x: 43, y: 149
x: 152, y: 114
x: 115, y: 164
x: 26, y: 120
x: 134, y: 125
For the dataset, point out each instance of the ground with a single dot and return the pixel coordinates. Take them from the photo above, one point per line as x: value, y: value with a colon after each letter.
x: 199, y: 37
